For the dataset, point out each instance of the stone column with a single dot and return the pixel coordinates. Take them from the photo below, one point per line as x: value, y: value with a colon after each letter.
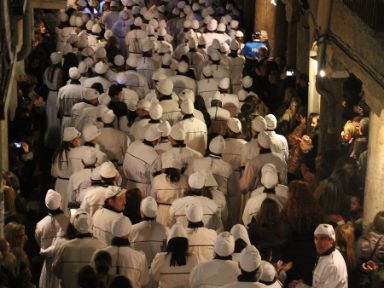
x: 374, y: 180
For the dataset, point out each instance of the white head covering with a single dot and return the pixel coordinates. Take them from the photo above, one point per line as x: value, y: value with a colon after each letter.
x: 259, y: 124
x: 215, y: 56
x: 239, y: 34
x: 240, y: 232
x: 187, y: 94
x: 269, y: 176
x: 70, y: 133
x: 221, y: 27
x: 108, y: 116
x: 108, y: 170
x: 207, y: 71
x: 196, y: 180
x: 83, y: 67
x: 194, y: 213
x: 326, y: 229
x: 177, y: 133
x: 132, y: 62
x: 74, y: 73
x: 52, y: 200
x: 225, y: 244
x: 56, y: 58
x: 90, y: 132
x: 103, y: 99
x: 89, y: 157
x: 176, y: 231
x: 149, y: 207
x: 212, y: 25
x: 187, y: 106
x: 152, y: 133
x: 165, y: 87
x: 96, y: 29
x: 82, y: 221
x: 182, y: 67
x: 63, y: 17
x: 156, y: 111
x: 264, y: 140
x: 121, y: 78
x: 271, y: 122
x: 118, y: 60
x: 234, y: 45
x: 144, y: 104
x: 250, y: 259
x: 247, y: 82
x: 234, y: 24
x: 147, y: 46
x: 217, y: 145
x: 107, y: 34
x: 100, y: 52
x: 121, y: 227
x: 195, y: 24
x: 165, y: 128
x: 268, y: 272
x: 224, y: 83
x: 114, y: 191
x: 101, y: 68
x: 234, y: 125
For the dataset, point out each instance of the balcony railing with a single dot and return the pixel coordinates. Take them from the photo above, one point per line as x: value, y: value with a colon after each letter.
x: 370, y: 11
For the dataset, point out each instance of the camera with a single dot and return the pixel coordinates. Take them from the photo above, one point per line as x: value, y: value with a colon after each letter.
x: 18, y: 144
x: 290, y: 73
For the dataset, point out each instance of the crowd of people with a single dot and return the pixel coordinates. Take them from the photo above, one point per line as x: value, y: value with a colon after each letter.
x: 169, y: 152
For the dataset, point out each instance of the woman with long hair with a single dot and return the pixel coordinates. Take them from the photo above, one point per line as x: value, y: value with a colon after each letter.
x: 345, y: 242
x: 302, y: 215
x: 60, y: 168
x: 172, y: 268
x: 168, y: 186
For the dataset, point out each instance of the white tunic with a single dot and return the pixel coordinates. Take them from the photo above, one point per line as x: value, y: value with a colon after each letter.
x: 148, y: 237
x: 171, y: 111
x: 181, y: 82
x: 195, y: 134
x: 214, y: 273
x: 102, y: 224
x: 76, y: 155
x: 146, y: 66
x: 78, y: 182
x: 201, y: 243
x: 68, y: 96
x: 132, y: 264
x: 114, y: 143
x: 171, y: 276
x: 102, y: 80
x: 93, y: 199
x: 279, y: 144
x: 206, y: 88
x: 137, y: 82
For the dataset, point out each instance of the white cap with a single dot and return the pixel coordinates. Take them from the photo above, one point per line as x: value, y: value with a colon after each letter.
x: 156, y: 111
x: 154, y: 23
x: 63, y: 17
x: 165, y: 87
x: 118, y: 60
x: 82, y: 221
x: 196, y: 180
x: 162, y: 32
x: 158, y: 75
x: 181, y: 4
x: 138, y: 21
x: 217, y: 96
x: 264, y: 140
x: 96, y: 29
x: 52, y: 200
x: 182, y: 67
x: 271, y: 122
x: 215, y: 56
x: 194, y: 212
x: 100, y: 52
x: 149, y: 207
x: 225, y: 244
x: 108, y: 170
x: 239, y: 34
x: 103, y: 99
x: 115, y: 3
x: 79, y: 22
x: 89, y: 157
x: 240, y: 232
x: 177, y: 133
x: 250, y: 259
x: 101, y: 68
x: 177, y: 231
x: 108, y: 116
x: 147, y: 46
x: 74, y: 73
x: 165, y: 128
x: 187, y: 94
x: 207, y: 71
x: 90, y: 132
x: 114, y: 191
x: 108, y: 33
x: 234, y: 45
x: 56, y: 58
x: 326, y: 229
x: 269, y: 176
x: 221, y: 27
x: 224, y: 83
x: 121, y: 78
x: 247, y: 82
x: 152, y: 133
x: 234, y: 24
x: 145, y: 105
x: 88, y: 52
x: 89, y: 61
x: 242, y: 94
x: 212, y: 25
x: 217, y: 145
x: 67, y: 49
x: 259, y: 124
x: 234, y: 125
x: 268, y: 272
x: 195, y: 24
x: 70, y: 133
x: 187, y: 24
x: 135, y: 12
x: 201, y: 41
x: 132, y: 62
x: 121, y: 227
x: 187, y: 106
x: 210, y: 180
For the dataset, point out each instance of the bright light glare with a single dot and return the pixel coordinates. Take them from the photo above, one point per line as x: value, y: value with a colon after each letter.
x: 322, y: 73
x: 273, y: 2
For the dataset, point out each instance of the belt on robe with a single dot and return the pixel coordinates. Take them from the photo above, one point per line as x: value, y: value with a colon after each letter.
x: 62, y: 178
x: 66, y: 115
x: 134, y: 181
x: 165, y: 204
x: 53, y: 90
